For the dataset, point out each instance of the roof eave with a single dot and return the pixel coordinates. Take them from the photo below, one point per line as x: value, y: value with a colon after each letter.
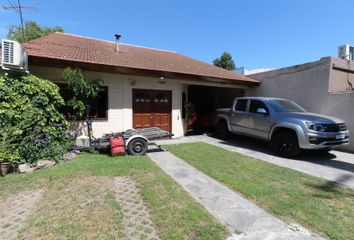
x: 54, y: 62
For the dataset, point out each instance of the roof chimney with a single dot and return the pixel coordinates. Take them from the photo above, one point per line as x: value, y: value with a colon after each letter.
x: 117, y: 41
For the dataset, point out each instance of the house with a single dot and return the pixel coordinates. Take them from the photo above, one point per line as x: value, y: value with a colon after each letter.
x: 325, y: 86
x: 142, y: 87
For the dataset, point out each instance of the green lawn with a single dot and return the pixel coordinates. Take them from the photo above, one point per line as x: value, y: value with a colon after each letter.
x: 67, y: 212
x: 313, y: 202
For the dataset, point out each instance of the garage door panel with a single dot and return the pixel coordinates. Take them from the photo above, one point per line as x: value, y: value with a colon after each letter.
x: 152, y: 108
x: 142, y: 120
x: 162, y: 121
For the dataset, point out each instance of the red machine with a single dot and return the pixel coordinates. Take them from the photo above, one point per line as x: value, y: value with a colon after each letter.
x: 117, y: 145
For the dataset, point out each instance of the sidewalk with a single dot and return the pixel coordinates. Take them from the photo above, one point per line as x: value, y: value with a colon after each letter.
x: 334, y: 166
x: 230, y: 208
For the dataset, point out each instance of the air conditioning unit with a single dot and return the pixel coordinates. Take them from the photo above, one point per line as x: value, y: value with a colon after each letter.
x: 346, y: 52
x: 13, y: 56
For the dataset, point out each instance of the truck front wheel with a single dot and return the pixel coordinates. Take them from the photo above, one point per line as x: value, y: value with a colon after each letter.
x: 286, y: 144
x: 221, y: 130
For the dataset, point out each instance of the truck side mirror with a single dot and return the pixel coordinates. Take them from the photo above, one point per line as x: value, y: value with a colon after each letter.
x: 262, y: 111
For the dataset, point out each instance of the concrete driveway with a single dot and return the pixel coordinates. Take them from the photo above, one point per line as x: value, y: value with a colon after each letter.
x: 334, y: 166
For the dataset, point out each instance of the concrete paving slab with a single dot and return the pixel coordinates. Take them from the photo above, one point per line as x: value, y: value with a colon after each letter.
x: 137, y: 221
x: 230, y: 208
x: 333, y: 166
x: 14, y: 212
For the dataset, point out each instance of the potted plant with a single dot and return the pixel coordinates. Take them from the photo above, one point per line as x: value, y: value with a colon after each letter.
x: 8, y: 153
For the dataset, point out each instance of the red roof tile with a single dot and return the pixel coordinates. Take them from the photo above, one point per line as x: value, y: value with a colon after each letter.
x: 69, y: 47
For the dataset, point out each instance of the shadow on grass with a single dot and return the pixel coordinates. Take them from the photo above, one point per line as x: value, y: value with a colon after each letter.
x: 332, y: 189
x: 323, y: 158
x: 155, y: 149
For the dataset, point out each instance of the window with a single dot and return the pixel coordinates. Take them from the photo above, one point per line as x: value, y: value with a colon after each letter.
x: 241, y: 105
x: 142, y: 97
x: 161, y: 98
x: 255, y: 104
x: 98, y: 105
x: 282, y: 105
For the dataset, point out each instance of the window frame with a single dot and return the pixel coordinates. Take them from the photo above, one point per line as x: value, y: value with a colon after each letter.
x: 246, y: 105
x: 257, y: 100
x: 62, y: 85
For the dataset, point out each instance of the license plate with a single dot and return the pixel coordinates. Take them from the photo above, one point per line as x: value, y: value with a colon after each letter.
x: 340, y: 136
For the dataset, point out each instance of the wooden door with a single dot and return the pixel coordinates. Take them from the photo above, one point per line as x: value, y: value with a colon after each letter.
x: 152, y: 108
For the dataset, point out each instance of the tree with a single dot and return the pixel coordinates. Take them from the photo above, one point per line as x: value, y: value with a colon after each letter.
x: 81, y: 92
x: 225, y: 61
x: 32, y: 30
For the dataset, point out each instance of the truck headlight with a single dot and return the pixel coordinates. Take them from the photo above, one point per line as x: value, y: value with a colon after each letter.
x: 315, y: 126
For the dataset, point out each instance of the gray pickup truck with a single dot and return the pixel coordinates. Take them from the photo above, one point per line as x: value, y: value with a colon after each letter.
x: 284, y: 124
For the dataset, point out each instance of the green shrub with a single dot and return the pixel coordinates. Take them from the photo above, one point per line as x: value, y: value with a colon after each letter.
x: 8, y: 150
x: 29, y: 114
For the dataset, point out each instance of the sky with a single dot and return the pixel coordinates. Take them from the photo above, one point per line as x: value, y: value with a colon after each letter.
x: 257, y: 33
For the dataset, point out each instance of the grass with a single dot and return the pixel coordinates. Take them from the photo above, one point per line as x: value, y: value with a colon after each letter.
x: 83, y: 208
x: 324, y: 206
x: 78, y: 201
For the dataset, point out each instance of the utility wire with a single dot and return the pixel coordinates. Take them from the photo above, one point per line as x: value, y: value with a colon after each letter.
x: 18, y: 8
x: 21, y: 17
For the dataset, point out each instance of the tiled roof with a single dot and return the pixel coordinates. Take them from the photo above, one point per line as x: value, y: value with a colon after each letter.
x: 75, y: 48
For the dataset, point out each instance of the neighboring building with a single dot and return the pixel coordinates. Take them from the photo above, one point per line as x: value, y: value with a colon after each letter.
x: 142, y: 87
x: 325, y: 86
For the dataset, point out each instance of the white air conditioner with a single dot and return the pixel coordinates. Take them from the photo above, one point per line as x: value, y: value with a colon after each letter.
x: 346, y: 52
x: 13, y: 56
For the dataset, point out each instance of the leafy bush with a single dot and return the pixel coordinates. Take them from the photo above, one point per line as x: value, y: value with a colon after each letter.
x: 8, y: 150
x: 30, y: 117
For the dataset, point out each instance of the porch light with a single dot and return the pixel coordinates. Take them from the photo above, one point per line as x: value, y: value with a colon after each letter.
x: 161, y: 80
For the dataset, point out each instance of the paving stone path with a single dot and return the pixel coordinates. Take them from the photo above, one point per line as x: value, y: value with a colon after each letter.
x: 14, y: 211
x: 137, y: 221
x: 227, y: 206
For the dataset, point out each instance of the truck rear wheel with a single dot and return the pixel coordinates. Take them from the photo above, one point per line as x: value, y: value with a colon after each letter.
x: 221, y: 130
x: 286, y: 144
x: 137, y: 147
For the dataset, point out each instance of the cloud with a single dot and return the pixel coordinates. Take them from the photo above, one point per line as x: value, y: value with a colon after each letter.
x: 257, y: 70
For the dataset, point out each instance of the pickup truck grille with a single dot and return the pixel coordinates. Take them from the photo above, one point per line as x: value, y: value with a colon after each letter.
x: 334, y: 127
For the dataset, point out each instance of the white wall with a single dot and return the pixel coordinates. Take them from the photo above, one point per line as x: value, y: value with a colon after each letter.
x: 120, y: 97
x: 305, y: 84
x: 308, y: 85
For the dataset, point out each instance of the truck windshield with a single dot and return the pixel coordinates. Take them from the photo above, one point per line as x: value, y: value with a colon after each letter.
x: 280, y: 105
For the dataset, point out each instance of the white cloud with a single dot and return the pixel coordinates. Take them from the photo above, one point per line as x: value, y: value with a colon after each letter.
x: 257, y: 70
